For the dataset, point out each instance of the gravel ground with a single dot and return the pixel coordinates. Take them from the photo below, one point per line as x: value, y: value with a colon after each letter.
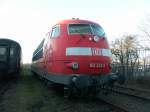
x: 29, y: 94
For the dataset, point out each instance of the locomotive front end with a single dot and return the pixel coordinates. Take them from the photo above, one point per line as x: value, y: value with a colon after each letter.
x: 87, y: 56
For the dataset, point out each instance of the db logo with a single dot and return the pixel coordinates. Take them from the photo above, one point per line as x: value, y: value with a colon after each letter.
x: 96, y: 52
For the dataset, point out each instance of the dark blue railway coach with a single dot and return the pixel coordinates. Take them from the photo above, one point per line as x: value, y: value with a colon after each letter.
x: 10, y: 57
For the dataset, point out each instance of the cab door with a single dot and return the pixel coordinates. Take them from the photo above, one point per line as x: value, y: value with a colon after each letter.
x: 52, y: 47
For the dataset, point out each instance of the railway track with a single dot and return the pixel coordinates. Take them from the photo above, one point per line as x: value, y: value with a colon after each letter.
x: 95, y: 105
x: 3, y: 87
x: 127, y: 98
x: 134, y: 92
x: 117, y: 108
x: 5, y: 84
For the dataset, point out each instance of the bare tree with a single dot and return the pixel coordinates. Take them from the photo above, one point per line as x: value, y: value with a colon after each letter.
x: 125, y: 53
x: 145, y: 28
x: 145, y: 35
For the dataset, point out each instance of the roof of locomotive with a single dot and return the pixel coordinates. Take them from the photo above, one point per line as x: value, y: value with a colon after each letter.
x: 8, y: 41
x: 76, y: 21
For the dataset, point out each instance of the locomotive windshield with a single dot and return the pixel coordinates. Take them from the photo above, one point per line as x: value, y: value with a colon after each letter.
x: 91, y: 29
x: 3, y: 53
x: 97, y: 30
x: 80, y: 29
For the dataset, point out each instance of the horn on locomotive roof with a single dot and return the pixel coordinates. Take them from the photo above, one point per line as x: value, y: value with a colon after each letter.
x: 75, y: 18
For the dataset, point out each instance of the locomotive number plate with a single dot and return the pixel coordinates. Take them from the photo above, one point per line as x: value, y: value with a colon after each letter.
x: 96, y: 65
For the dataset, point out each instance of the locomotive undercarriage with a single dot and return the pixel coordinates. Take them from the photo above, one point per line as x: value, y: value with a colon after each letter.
x: 85, y: 86
x: 81, y: 84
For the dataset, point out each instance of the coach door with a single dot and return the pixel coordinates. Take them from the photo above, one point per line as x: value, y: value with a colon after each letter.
x: 13, y: 57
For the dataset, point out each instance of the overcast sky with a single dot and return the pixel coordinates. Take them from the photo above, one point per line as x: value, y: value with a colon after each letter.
x: 27, y: 21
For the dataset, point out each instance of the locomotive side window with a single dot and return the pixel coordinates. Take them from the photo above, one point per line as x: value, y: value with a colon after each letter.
x: 38, y: 53
x: 97, y: 30
x: 79, y: 29
x: 55, y: 31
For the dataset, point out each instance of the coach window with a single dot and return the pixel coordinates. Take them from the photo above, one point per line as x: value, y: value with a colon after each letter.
x: 55, y: 31
x: 3, y: 53
x: 11, y: 51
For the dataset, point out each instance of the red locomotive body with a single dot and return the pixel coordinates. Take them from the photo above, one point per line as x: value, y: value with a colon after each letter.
x: 74, y: 51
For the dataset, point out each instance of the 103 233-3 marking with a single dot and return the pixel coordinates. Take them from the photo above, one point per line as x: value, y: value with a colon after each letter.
x: 96, y: 65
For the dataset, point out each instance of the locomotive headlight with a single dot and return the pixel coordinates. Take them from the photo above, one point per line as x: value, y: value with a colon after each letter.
x: 96, y: 38
x: 75, y: 65
x: 90, y: 39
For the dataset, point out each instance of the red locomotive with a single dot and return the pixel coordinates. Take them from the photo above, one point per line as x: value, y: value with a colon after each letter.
x: 76, y: 54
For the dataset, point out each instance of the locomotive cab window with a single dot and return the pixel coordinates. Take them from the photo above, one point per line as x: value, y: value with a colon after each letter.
x: 55, y: 31
x: 80, y: 29
x: 97, y: 30
x: 91, y: 29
